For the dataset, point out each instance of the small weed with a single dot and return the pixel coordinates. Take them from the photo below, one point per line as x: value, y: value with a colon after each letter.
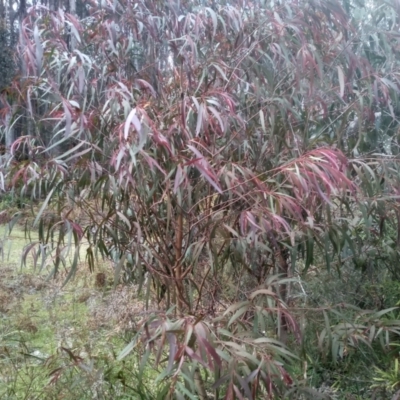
x: 7, y: 201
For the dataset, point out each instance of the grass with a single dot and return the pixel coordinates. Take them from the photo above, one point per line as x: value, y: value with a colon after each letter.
x: 62, y: 342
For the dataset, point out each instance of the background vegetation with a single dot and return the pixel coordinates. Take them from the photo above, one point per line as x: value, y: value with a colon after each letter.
x: 235, y: 166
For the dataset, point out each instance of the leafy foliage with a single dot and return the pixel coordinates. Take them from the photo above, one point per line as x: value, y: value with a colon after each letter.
x: 201, y: 146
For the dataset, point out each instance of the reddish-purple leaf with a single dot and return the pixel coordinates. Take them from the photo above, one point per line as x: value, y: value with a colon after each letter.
x: 195, y: 356
x: 205, y: 169
x: 211, y: 351
x: 238, y: 393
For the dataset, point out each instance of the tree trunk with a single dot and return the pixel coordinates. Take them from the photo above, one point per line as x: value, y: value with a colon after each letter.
x: 2, y: 11
x: 284, y: 288
x: 21, y: 17
x: 54, y: 5
x: 72, y: 38
x: 10, y: 135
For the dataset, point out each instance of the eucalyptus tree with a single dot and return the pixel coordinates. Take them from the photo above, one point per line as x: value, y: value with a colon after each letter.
x: 7, y: 65
x: 211, y: 148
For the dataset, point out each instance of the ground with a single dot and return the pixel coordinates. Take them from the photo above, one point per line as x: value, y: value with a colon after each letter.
x: 58, y: 341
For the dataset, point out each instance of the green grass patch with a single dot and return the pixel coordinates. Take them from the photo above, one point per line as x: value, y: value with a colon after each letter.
x: 62, y: 342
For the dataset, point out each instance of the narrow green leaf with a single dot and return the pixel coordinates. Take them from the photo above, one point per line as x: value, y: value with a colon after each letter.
x: 237, y: 314
x: 266, y: 292
x: 43, y: 207
x: 128, y: 348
